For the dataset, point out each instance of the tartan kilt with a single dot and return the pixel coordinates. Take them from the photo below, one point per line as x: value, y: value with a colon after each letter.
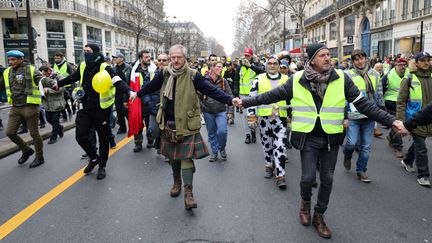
x: 192, y: 147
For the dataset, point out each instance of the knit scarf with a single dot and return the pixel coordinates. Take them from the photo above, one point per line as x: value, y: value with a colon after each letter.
x: 174, y: 74
x: 369, y: 87
x: 318, y: 81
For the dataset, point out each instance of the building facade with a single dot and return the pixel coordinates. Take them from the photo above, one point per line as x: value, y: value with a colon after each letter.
x: 384, y: 27
x: 66, y: 26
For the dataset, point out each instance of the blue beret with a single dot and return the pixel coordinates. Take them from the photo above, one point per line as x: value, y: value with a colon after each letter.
x: 15, y: 53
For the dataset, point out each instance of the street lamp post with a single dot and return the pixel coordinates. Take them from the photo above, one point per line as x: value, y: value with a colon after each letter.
x: 284, y: 40
x: 30, y: 33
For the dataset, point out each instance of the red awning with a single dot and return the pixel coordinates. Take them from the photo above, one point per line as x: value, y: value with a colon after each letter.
x: 297, y: 50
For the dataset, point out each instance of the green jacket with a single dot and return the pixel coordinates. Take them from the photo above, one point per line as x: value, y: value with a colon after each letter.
x: 54, y: 99
x: 426, y: 85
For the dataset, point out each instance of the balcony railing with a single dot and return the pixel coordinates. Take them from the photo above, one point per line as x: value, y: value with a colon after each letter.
x: 345, y: 3
x: 320, y: 15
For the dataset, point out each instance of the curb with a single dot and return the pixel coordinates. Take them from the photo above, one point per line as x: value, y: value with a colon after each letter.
x: 10, y: 147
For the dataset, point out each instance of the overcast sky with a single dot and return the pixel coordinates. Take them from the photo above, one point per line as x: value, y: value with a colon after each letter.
x: 214, y: 18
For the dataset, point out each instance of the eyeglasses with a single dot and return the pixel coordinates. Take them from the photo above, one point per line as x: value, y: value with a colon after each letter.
x: 162, y: 60
x: 272, y: 63
x: 283, y: 67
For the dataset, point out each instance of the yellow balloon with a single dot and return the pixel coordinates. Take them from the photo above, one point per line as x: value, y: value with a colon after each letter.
x: 102, y: 82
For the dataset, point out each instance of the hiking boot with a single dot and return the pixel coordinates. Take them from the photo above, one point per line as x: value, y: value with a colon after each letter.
x: 223, y: 155
x: 254, y: 137
x: 213, y: 157
x: 305, y: 215
x: 363, y: 177
x: 320, y: 225
x: 398, y: 153
x: 248, y: 139
x: 138, y: 147
x: 424, y: 181
x: 408, y: 167
x: 90, y: 166
x: 36, y: 162
x: 176, y: 188
x: 188, y: 198
x: 25, y: 156
x: 268, y: 172
x: 281, y: 182
x: 377, y: 133
x: 347, y: 164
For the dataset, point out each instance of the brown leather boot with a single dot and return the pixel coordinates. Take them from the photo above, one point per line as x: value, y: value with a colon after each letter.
x: 188, y: 198
x: 377, y: 133
x: 305, y: 215
x: 176, y: 188
x: 320, y: 225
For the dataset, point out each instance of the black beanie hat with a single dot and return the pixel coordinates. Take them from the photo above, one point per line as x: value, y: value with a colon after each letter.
x: 313, y: 49
x: 94, y: 47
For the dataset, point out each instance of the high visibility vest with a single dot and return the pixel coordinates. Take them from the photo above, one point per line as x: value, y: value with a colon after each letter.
x: 33, y: 98
x: 204, y: 70
x: 393, y: 85
x: 361, y: 85
x: 63, y: 71
x: 247, y: 75
x: 264, y: 85
x: 141, y: 78
x: 414, y: 103
x: 331, y: 114
x: 105, y: 99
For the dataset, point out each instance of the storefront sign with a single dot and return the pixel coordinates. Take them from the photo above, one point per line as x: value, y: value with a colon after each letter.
x: 56, y: 43
x: 8, y: 43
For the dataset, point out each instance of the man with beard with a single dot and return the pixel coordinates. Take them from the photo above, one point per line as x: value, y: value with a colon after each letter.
x: 361, y: 128
x: 123, y: 70
x: 179, y: 118
x: 96, y: 107
x: 415, y: 93
x: 318, y: 96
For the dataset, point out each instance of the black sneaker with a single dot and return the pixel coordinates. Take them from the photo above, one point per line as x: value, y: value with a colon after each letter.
x: 52, y: 141
x: 101, y: 174
x: 36, y: 162
x: 84, y: 156
x: 281, y: 183
x: 22, y: 131
x: 25, y: 156
x: 248, y: 139
x: 121, y: 131
x: 268, y: 172
x: 138, y: 147
x: 90, y: 166
x: 42, y: 125
x: 112, y: 143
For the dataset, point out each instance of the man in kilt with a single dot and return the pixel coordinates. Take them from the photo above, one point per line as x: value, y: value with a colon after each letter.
x: 179, y: 118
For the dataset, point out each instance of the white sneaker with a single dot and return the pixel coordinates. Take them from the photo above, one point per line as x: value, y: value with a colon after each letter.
x: 424, y: 181
x: 408, y: 167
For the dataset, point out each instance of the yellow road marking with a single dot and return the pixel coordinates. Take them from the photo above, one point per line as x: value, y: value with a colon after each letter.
x: 33, y: 208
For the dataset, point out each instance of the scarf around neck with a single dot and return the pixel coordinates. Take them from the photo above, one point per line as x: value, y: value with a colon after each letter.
x: 174, y: 74
x: 318, y: 81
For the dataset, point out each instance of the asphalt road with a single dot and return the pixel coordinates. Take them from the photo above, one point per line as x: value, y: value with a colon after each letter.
x: 235, y: 202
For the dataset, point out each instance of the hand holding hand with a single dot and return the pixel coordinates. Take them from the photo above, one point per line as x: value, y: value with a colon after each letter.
x: 399, y: 127
x: 55, y: 86
x: 346, y: 123
x: 237, y: 102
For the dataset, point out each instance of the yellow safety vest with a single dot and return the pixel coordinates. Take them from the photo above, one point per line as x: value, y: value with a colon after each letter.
x: 63, y: 71
x: 304, y: 111
x: 247, y: 75
x: 393, y: 85
x: 33, y: 98
x: 264, y: 85
x: 361, y: 85
x: 105, y: 99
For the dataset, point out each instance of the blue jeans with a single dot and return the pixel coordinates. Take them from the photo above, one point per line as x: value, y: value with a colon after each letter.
x: 217, y: 129
x: 359, y: 132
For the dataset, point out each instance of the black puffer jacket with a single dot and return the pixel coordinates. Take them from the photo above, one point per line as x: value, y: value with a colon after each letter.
x: 211, y: 105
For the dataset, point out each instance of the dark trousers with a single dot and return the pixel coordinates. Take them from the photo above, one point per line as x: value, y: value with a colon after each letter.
x: 53, y: 117
x: 138, y: 138
x: 418, y: 152
x: 68, y: 97
x: 99, y: 120
x: 395, y: 138
x: 29, y: 114
x: 42, y: 115
x: 316, y: 148
x: 121, y: 114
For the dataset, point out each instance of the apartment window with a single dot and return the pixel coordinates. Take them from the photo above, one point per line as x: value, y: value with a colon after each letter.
x: 77, y: 31
x: 323, y: 32
x: 10, y: 27
x: 404, y: 9
x: 384, y: 12
x: 54, y: 25
x: 108, y: 38
x: 349, y: 24
x: 393, y: 10
x: 53, y: 4
x: 427, y: 6
x: 415, y: 9
x: 378, y: 15
x: 333, y: 31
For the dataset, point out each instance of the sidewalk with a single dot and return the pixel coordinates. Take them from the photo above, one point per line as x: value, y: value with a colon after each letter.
x: 7, y: 147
